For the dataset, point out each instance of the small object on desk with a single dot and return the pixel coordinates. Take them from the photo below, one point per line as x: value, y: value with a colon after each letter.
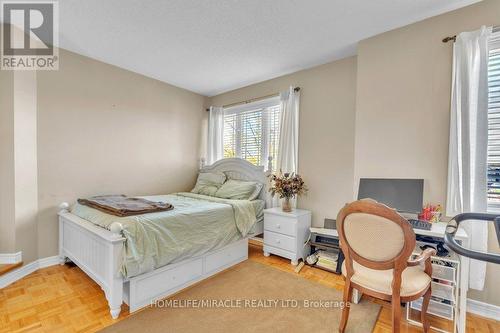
x: 430, y: 213
x: 419, y: 224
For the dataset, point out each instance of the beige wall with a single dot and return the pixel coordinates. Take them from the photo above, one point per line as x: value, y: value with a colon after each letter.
x: 326, y: 134
x: 88, y: 128
x: 403, y: 106
x: 18, y: 169
x: 7, y: 228
x: 25, y: 164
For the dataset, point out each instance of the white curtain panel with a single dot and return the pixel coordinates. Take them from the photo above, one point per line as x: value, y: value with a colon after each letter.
x: 468, y: 146
x: 287, y: 159
x: 288, y: 151
x: 215, y: 141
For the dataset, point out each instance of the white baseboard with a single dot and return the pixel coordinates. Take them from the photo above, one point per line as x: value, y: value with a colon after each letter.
x: 11, y: 258
x: 483, y: 309
x: 48, y: 261
x: 22, y: 271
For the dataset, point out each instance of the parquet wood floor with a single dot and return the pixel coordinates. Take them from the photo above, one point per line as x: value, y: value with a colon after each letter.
x: 5, y: 268
x: 64, y: 299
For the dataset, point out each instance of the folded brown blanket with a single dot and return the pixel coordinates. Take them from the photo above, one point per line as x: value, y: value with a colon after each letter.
x: 121, y: 205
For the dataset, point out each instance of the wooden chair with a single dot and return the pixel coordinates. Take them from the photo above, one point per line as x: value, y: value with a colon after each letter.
x: 377, y: 243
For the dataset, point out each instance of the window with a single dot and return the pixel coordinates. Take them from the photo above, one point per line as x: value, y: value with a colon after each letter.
x: 494, y: 123
x: 251, y: 131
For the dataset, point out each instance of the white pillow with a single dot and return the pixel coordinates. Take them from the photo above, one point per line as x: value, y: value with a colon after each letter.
x: 255, y: 194
x: 258, y: 186
x: 208, y: 183
x: 236, y: 189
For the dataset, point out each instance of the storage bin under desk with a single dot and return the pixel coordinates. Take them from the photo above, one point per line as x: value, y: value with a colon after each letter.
x: 444, y: 301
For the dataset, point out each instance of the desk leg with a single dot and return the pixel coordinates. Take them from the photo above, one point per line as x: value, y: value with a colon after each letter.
x: 356, y: 296
x: 464, y: 287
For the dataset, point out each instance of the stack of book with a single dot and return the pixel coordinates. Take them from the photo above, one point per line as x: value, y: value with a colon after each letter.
x: 327, y: 260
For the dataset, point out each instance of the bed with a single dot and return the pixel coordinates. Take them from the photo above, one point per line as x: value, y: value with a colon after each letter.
x: 100, y: 244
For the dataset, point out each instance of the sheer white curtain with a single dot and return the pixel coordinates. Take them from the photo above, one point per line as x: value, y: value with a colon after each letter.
x: 215, y: 141
x: 287, y: 159
x: 288, y: 151
x: 468, y: 149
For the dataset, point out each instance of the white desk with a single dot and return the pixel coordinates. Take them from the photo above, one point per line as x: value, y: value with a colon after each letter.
x: 438, y: 231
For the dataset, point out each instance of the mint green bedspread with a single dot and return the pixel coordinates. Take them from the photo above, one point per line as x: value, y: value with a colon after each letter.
x: 197, y: 224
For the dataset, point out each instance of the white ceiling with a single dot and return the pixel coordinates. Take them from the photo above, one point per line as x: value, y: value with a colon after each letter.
x: 215, y: 46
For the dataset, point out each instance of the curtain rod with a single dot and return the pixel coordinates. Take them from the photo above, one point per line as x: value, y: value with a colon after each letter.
x: 454, y: 38
x: 296, y: 89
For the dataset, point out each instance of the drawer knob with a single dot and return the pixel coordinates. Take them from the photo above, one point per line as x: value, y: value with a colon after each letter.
x: 278, y: 226
x: 278, y: 241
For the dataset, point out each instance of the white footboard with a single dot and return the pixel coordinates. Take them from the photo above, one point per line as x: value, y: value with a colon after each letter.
x: 96, y: 251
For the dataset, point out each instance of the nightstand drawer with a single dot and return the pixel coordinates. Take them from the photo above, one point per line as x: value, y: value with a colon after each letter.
x: 280, y: 241
x: 280, y: 224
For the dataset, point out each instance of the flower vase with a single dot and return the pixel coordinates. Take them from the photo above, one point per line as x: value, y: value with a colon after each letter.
x: 286, y: 206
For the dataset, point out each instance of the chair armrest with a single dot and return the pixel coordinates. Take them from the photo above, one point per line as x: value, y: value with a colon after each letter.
x: 424, y: 257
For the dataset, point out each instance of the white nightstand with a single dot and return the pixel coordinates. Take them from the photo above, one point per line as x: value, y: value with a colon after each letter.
x: 286, y: 233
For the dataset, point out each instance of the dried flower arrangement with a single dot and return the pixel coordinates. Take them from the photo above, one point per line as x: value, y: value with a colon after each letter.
x: 287, y: 186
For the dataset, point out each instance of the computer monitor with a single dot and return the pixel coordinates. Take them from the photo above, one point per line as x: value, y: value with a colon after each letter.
x: 404, y: 195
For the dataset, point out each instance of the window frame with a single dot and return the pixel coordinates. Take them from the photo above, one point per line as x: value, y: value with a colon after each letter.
x: 265, y: 130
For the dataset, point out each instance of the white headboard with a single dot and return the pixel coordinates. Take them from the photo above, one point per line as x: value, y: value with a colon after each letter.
x: 237, y: 168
